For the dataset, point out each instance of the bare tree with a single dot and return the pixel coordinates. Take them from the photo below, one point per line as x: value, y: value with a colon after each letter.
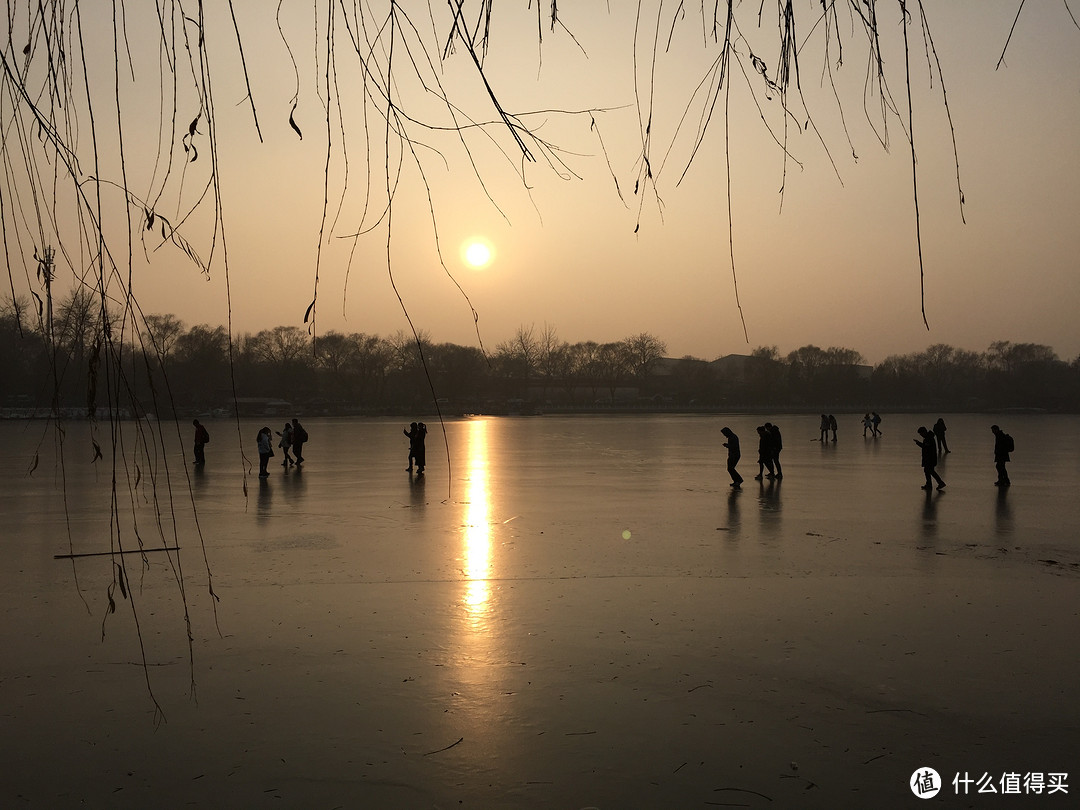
x: 643, y: 351
x: 518, y: 356
x: 163, y: 332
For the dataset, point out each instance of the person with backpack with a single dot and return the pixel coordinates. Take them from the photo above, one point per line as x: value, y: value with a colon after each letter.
x: 202, y: 437
x: 299, y: 436
x: 1003, y: 446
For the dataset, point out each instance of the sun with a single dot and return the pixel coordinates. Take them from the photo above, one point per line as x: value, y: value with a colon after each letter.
x: 477, y: 253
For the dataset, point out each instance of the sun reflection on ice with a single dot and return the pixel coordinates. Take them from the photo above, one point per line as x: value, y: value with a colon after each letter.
x: 478, y: 526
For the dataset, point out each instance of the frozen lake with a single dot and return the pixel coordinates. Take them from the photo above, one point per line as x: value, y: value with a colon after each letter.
x: 565, y: 611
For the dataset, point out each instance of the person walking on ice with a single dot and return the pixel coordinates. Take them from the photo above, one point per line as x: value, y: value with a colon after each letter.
x: 939, y: 433
x: 775, y: 446
x: 929, y: 458
x: 733, y: 456
x: 1003, y: 445
x: 202, y: 436
x: 286, y: 442
x: 764, y: 460
x: 299, y: 436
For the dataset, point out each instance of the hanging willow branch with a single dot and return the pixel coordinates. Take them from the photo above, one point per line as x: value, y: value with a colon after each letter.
x: 401, y: 97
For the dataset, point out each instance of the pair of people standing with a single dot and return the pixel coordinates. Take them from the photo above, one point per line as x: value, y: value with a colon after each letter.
x: 870, y: 422
x: 770, y: 443
x: 828, y: 422
x: 293, y: 437
x: 416, y: 432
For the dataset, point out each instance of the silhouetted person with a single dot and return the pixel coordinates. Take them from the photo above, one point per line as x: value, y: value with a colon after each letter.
x: 939, y: 433
x: 419, y: 450
x: 867, y: 424
x: 733, y: 456
x: 877, y: 422
x: 929, y: 458
x: 777, y: 446
x: 266, y: 450
x: 832, y: 426
x: 299, y: 436
x: 201, y: 438
x: 411, y: 434
x: 764, y: 459
x: 286, y: 442
x: 1003, y: 445
x: 824, y: 428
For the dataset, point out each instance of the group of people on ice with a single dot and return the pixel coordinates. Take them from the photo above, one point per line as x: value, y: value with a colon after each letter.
x: 932, y: 443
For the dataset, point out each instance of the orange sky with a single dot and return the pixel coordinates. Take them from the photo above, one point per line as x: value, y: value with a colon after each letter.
x: 836, y: 266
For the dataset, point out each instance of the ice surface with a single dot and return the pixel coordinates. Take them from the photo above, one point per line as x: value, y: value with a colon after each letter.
x: 570, y: 612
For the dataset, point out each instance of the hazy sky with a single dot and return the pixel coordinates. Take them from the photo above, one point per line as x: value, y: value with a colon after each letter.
x: 574, y: 246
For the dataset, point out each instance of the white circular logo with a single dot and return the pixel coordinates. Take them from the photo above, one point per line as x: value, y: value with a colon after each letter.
x: 925, y: 783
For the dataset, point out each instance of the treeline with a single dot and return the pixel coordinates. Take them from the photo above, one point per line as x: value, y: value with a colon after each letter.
x: 73, y: 360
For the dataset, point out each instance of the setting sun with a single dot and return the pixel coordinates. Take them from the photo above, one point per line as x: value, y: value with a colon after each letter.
x: 478, y: 253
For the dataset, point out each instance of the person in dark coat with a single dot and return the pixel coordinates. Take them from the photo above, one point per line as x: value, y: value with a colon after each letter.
x: 410, y: 434
x: 1003, y: 445
x: 764, y: 459
x: 299, y: 436
x: 939, y: 434
x: 733, y: 456
x: 202, y: 436
x: 832, y: 426
x: 929, y: 458
x: 419, y: 451
x: 266, y: 450
x: 777, y: 446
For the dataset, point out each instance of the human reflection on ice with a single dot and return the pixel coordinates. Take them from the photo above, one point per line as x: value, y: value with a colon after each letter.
x: 1003, y: 512
x: 262, y: 504
x: 734, y: 519
x: 295, y: 483
x: 929, y: 517
x: 769, y: 500
x: 417, y: 496
x: 477, y: 539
